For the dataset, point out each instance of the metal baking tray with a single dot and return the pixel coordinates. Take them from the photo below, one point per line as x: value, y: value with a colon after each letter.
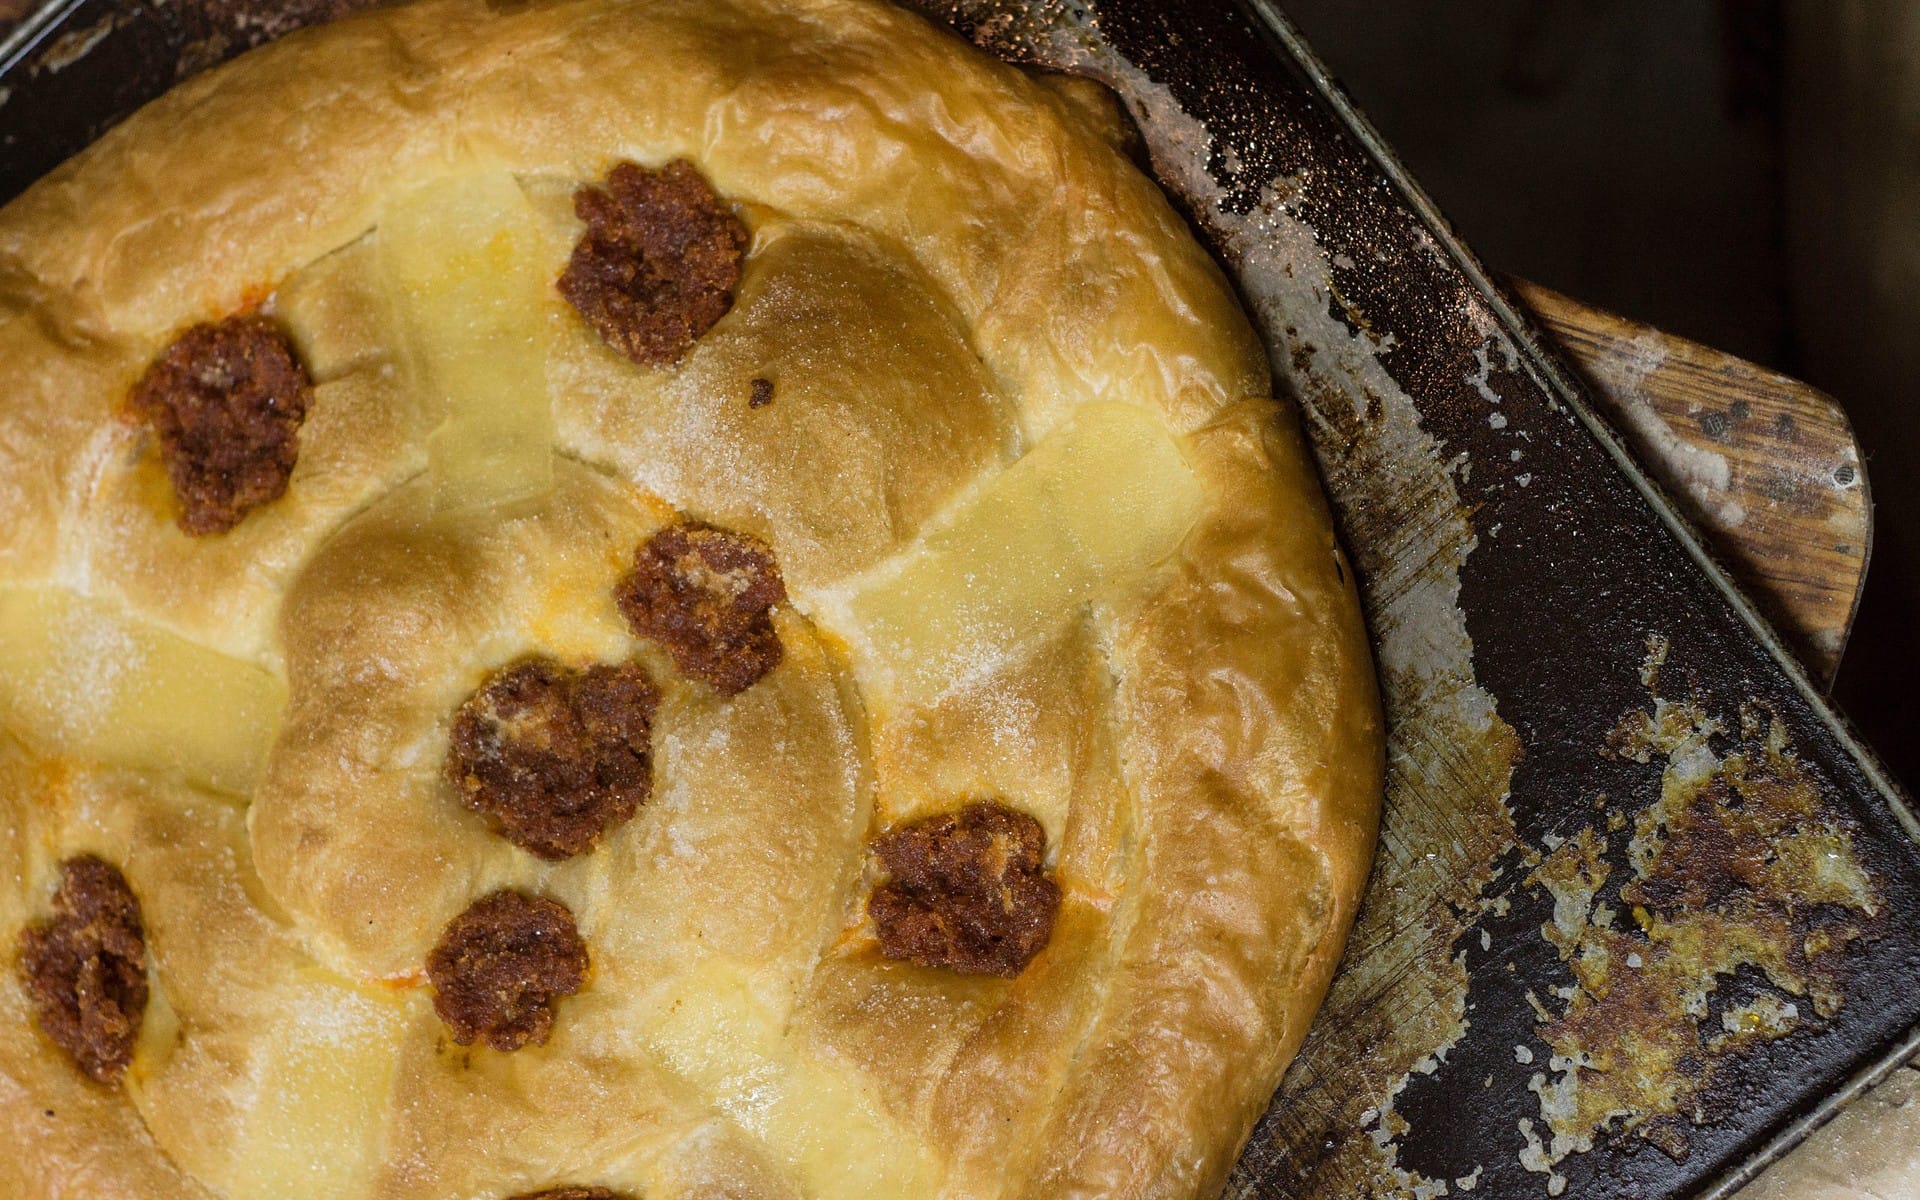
x: 1636, y: 922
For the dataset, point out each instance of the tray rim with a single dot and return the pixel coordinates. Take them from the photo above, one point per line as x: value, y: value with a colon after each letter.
x: 32, y: 30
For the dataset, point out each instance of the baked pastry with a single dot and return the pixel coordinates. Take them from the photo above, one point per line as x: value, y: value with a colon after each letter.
x: 651, y: 598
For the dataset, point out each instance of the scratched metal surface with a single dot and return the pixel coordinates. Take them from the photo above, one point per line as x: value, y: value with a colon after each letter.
x: 1637, y: 915
x: 75, y: 67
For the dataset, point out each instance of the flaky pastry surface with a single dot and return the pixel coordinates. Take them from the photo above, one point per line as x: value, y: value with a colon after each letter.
x: 978, y: 325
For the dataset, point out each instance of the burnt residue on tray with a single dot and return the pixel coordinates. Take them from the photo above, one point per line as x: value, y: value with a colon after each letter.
x: 1722, y: 915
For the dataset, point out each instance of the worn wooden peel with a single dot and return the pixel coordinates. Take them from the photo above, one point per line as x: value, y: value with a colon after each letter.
x: 1764, y: 466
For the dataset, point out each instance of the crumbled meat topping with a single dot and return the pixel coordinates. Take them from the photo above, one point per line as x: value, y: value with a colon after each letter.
x: 556, y: 757
x: 86, y: 968
x: 707, y: 595
x: 227, y: 401
x: 500, y: 966
x: 967, y: 891
x: 761, y: 393
x: 658, y: 263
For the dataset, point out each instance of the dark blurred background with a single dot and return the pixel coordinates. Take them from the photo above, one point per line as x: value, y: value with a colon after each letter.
x: 1745, y: 173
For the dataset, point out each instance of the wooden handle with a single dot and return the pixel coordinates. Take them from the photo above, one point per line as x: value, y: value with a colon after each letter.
x: 1765, y: 466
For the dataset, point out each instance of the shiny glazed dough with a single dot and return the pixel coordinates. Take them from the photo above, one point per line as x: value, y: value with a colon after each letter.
x: 951, y: 265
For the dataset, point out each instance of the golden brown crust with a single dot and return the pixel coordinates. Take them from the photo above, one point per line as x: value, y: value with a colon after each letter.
x: 947, y: 264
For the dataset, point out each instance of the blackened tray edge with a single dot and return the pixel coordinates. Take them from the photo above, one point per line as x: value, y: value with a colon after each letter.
x: 33, y: 30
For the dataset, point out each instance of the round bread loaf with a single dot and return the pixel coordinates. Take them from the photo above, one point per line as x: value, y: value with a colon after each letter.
x: 651, y: 598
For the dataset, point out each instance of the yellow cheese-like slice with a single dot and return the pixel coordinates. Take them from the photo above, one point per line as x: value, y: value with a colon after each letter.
x: 314, y: 1095
x: 81, y: 676
x: 1083, y: 515
x: 461, y: 264
x: 719, y: 1030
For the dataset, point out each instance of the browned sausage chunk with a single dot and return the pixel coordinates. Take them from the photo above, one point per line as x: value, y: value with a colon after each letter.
x: 573, y: 1193
x: 967, y: 892
x: 556, y: 757
x: 227, y: 401
x: 658, y: 263
x: 501, y: 964
x: 707, y: 595
x: 86, y: 969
